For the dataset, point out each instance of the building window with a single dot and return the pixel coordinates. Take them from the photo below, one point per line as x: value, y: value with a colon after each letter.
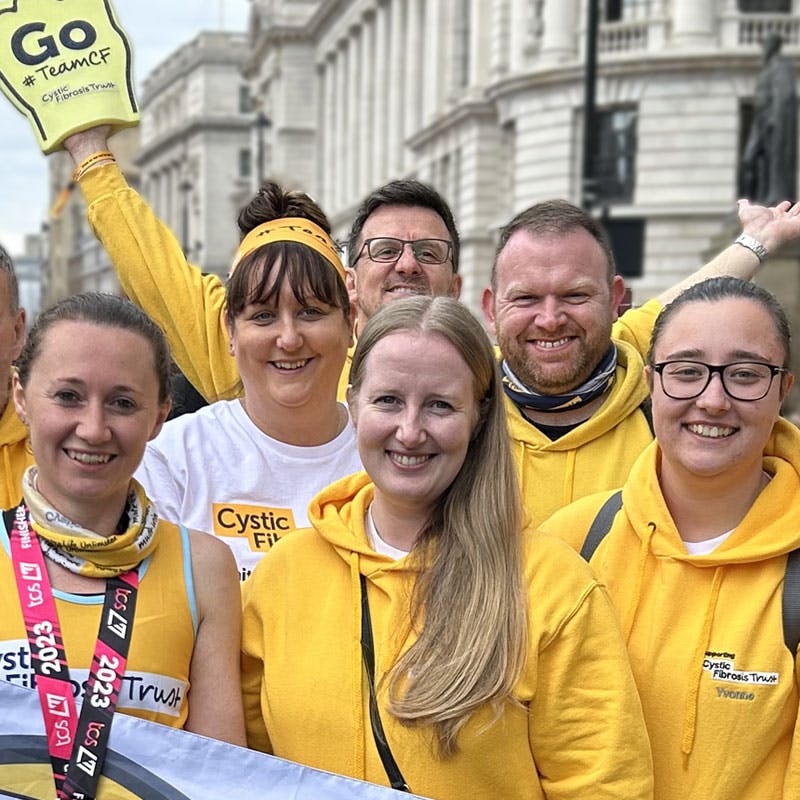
x: 619, y: 10
x: 245, y: 162
x: 765, y: 6
x: 613, y: 168
x: 245, y: 99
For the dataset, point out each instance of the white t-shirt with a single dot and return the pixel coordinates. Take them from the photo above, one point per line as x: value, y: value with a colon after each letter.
x: 216, y: 471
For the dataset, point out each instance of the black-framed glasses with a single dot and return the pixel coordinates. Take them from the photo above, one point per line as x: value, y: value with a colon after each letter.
x: 387, y: 250
x: 741, y: 380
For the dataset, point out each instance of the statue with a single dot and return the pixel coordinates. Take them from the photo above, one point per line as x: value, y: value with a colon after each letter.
x: 770, y: 155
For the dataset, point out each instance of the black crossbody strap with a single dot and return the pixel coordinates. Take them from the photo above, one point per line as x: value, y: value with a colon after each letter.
x: 601, y: 524
x: 396, y: 778
x: 791, y: 602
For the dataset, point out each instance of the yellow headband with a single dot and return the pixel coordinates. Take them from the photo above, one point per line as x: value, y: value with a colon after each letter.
x: 291, y: 229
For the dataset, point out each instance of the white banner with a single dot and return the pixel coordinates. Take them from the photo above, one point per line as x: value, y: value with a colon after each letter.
x: 147, y: 761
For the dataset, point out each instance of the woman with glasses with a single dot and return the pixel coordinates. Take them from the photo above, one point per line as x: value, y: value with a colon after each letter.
x: 696, y: 556
x: 245, y: 469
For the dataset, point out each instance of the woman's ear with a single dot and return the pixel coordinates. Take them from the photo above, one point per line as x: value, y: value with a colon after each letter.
x: 787, y: 381
x: 18, y: 398
x: 648, y: 376
x: 352, y: 396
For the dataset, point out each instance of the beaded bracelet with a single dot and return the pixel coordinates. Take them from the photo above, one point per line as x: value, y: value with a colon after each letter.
x: 92, y: 161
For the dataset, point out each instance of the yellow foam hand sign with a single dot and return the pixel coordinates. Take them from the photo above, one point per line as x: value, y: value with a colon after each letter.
x: 67, y: 66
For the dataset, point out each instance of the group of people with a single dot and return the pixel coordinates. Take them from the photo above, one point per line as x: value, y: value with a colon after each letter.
x: 398, y: 498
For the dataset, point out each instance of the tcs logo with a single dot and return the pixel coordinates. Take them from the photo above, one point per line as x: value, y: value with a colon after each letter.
x: 33, y: 50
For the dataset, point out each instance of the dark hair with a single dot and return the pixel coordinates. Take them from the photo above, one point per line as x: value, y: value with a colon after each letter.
x: 555, y: 217
x: 721, y: 288
x: 110, y: 311
x: 307, y: 271
x: 406, y: 192
x: 7, y: 268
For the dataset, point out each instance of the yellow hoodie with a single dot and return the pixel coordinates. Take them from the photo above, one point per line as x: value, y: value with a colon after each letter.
x: 598, y: 453
x: 16, y: 456
x: 704, y: 632
x: 576, y: 735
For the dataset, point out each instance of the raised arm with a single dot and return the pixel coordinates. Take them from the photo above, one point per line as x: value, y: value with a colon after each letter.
x: 153, y: 270
x: 770, y: 227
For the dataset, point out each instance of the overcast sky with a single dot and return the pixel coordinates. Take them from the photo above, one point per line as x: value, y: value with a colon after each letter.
x: 155, y: 28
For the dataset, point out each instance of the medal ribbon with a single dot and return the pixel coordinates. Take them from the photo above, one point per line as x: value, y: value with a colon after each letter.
x: 77, y: 745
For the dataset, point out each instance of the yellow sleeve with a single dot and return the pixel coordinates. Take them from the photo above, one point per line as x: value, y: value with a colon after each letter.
x: 252, y: 667
x: 154, y: 273
x: 586, y: 728
x: 636, y: 325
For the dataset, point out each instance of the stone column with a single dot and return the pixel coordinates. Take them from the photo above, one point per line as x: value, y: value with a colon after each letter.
x: 328, y: 131
x: 519, y: 22
x: 381, y: 89
x: 561, y: 25
x: 397, y: 57
x: 364, y: 141
x: 692, y: 23
x: 354, y: 124
x: 413, y: 82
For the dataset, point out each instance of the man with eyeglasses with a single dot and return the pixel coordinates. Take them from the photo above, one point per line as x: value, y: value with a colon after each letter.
x: 403, y: 242
x: 573, y: 372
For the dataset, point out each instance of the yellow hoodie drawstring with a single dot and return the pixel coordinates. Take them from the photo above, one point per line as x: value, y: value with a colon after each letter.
x: 359, y: 740
x: 633, y: 606
x: 569, y: 478
x: 702, y: 645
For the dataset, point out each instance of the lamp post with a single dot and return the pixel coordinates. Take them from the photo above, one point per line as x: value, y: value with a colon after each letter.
x: 588, y: 179
x: 263, y: 123
x: 185, y: 187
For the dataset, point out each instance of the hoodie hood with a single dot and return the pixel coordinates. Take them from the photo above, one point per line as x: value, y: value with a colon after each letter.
x: 595, y: 455
x: 16, y: 456
x: 762, y: 534
x: 338, y: 513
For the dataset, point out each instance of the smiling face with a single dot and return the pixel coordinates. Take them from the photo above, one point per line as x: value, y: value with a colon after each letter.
x: 714, y: 435
x: 414, y: 412
x: 91, y: 401
x: 552, y: 308
x: 289, y: 353
x: 374, y: 283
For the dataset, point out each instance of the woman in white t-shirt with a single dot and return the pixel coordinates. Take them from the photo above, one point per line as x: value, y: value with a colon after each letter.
x: 245, y: 469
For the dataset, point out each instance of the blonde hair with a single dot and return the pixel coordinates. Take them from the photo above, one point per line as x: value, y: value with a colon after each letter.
x: 468, y: 600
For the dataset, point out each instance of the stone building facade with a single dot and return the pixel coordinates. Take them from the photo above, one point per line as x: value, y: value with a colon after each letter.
x: 196, y: 149
x: 484, y: 99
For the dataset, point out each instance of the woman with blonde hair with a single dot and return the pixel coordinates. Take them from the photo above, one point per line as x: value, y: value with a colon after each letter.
x: 418, y: 634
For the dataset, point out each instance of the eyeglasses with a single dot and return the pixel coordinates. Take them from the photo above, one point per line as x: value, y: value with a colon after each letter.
x: 741, y: 380
x: 427, y: 251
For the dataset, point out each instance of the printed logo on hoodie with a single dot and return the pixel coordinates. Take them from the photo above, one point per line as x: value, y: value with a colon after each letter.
x: 260, y: 525
x: 722, y: 667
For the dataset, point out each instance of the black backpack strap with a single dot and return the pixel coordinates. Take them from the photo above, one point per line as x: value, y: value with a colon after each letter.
x: 646, y: 407
x: 791, y: 602
x: 601, y: 524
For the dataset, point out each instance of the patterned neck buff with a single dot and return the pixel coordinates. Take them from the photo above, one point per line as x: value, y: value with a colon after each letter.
x: 599, y: 382
x: 85, y: 552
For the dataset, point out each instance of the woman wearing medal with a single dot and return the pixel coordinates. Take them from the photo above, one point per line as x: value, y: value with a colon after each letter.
x: 147, y: 611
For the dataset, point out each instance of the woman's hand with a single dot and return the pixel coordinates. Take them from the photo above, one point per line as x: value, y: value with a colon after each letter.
x: 86, y: 143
